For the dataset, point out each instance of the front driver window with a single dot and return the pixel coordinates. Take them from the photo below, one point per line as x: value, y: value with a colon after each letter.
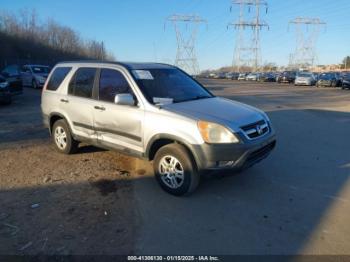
x: 112, y: 82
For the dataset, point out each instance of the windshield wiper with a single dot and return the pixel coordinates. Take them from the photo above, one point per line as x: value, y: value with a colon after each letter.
x: 193, y: 98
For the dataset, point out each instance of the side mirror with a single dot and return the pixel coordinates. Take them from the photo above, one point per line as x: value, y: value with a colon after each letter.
x: 124, y: 99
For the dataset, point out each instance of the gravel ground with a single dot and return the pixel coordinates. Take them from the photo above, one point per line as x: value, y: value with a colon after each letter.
x: 54, y: 204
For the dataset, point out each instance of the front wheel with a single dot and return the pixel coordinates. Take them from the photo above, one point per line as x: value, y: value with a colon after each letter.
x: 175, y: 170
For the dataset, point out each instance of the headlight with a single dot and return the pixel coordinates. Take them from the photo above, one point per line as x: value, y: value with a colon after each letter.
x: 215, y: 133
x: 41, y: 79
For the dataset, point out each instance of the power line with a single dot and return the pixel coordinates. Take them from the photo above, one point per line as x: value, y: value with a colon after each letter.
x: 248, y: 53
x: 186, y: 54
x: 307, y: 30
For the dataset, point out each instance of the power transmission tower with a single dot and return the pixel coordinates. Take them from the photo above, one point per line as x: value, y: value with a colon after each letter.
x: 186, y: 57
x: 247, y: 50
x: 307, y: 31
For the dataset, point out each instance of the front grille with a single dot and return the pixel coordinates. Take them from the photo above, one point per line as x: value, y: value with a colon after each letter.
x: 261, y: 153
x: 256, y: 130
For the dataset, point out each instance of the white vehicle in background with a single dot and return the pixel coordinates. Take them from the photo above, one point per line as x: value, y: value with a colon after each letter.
x: 305, y: 79
x: 242, y: 76
x: 253, y: 77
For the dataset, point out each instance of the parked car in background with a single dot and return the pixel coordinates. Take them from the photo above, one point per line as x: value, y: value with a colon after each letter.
x: 305, y: 79
x: 34, y: 75
x: 339, y: 78
x: 253, y: 77
x: 242, y: 76
x: 221, y: 75
x: 327, y: 80
x: 267, y: 77
x: 278, y: 76
x: 212, y: 75
x: 232, y: 75
x: 5, y: 94
x: 13, y: 76
x: 316, y: 75
x: 346, y: 81
x: 157, y: 112
x: 287, y: 77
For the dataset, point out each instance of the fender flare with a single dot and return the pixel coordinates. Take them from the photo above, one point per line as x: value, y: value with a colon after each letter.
x: 174, y: 138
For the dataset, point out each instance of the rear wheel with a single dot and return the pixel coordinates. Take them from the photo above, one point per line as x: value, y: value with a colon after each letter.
x: 62, y: 138
x: 175, y: 170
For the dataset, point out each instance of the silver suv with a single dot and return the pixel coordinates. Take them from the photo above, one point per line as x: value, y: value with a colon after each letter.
x: 157, y: 112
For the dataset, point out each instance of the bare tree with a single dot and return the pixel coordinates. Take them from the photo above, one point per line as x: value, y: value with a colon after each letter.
x: 26, y: 25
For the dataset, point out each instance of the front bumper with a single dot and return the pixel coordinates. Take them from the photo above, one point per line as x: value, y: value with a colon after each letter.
x: 346, y: 84
x: 286, y: 80
x: 233, y: 156
x: 303, y: 83
x: 324, y: 83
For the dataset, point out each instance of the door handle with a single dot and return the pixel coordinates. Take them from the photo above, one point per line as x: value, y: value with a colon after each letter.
x: 64, y: 101
x: 100, y: 108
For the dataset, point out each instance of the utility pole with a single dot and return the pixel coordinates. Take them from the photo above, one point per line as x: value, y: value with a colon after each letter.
x: 186, y: 57
x: 247, y: 50
x: 307, y: 31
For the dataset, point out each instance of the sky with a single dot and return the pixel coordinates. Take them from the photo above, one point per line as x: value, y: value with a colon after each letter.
x: 135, y: 30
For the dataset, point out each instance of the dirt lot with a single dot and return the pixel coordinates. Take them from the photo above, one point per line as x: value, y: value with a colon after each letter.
x: 54, y: 204
x: 101, y: 202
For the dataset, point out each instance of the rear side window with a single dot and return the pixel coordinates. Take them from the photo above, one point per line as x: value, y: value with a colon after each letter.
x: 57, y: 77
x: 82, y: 83
x: 112, y: 83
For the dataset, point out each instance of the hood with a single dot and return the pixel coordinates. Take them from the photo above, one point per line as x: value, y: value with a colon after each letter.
x: 219, y: 110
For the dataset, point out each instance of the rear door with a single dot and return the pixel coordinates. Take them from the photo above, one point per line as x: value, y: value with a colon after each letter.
x: 117, y: 126
x: 79, y: 103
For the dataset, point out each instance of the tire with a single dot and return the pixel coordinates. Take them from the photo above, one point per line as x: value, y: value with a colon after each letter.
x: 183, y: 161
x: 34, y: 84
x: 334, y: 84
x: 65, y: 143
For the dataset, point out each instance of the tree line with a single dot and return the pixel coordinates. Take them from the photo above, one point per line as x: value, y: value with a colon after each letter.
x: 25, y: 28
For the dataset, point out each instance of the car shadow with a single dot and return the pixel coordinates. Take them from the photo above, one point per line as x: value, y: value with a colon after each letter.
x: 287, y: 204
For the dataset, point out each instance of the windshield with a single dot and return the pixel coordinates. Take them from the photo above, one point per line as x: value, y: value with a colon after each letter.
x: 168, y: 86
x: 40, y: 69
x: 347, y: 76
x: 326, y: 76
x: 304, y: 75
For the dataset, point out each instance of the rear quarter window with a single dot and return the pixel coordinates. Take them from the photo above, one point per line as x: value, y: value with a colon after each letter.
x: 57, y: 77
